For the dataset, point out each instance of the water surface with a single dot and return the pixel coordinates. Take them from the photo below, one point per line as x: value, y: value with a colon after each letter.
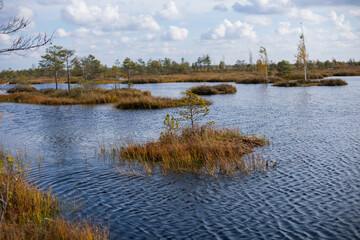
x: 313, y: 193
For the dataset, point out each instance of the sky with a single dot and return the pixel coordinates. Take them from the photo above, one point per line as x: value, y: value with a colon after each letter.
x: 224, y: 29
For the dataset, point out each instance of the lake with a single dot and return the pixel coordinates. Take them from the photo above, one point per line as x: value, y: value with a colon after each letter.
x: 313, y: 193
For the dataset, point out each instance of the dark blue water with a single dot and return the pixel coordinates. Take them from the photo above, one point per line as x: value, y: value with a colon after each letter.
x: 314, y: 193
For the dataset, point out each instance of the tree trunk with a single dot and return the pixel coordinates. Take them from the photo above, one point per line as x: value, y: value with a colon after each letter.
x: 68, y: 76
x: 129, y: 79
x: 56, y: 79
x: 305, y: 71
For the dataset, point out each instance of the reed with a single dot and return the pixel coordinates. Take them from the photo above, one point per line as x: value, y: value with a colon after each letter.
x: 29, y: 213
x: 212, y: 90
x: 200, y: 150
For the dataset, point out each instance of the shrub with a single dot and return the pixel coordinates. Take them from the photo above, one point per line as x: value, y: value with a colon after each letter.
x: 22, y: 88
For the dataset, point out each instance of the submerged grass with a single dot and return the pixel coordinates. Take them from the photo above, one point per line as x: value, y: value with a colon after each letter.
x: 302, y: 83
x: 201, y: 150
x: 125, y: 98
x: 29, y: 213
x: 212, y: 90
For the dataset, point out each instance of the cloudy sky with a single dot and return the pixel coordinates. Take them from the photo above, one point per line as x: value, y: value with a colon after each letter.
x: 229, y: 29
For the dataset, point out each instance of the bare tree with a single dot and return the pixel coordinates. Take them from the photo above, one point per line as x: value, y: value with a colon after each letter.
x: 21, y: 42
x: 263, y: 63
x: 302, y: 56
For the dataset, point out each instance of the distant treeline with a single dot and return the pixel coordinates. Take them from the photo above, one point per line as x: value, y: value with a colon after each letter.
x: 88, y: 68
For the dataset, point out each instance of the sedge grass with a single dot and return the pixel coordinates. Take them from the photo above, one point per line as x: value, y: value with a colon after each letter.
x: 199, y: 150
x: 302, y: 83
x: 125, y: 98
x: 29, y: 213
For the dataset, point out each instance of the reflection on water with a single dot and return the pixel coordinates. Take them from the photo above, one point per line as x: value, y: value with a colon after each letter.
x: 313, y: 193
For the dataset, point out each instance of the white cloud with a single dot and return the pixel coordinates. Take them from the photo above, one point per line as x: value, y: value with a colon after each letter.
x: 62, y: 33
x: 284, y: 29
x: 175, y: 33
x: 340, y: 22
x: 79, y: 32
x: 169, y: 11
x: 109, y: 17
x: 344, y: 27
x: 262, y: 6
x: 258, y: 20
x: 52, y: 2
x: 148, y: 37
x: 229, y: 30
x: 355, y: 13
x: 220, y: 7
x: 310, y: 17
x: 5, y: 39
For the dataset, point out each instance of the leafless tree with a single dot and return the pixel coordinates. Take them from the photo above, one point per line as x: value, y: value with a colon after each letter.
x: 21, y: 42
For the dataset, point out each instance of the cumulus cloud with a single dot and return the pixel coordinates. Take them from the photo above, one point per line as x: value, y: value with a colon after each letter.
x: 344, y: 27
x: 79, y: 32
x: 5, y: 39
x: 62, y: 33
x: 229, y: 30
x: 306, y: 15
x: 175, y: 33
x: 258, y: 20
x: 327, y: 3
x: 169, y: 11
x: 52, y: 2
x: 220, y: 7
x: 80, y: 13
x: 262, y: 6
x: 355, y: 13
x: 340, y: 22
x: 285, y: 29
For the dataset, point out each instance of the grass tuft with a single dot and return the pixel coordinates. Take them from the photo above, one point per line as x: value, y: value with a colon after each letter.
x: 201, y: 150
x: 29, y: 213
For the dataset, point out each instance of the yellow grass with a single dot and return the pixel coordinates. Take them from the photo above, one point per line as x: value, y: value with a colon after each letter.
x: 201, y: 150
x: 125, y: 98
x: 29, y: 213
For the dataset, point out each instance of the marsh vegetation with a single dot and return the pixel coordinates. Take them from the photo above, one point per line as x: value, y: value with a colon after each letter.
x: 215, y: 89
x: 28, y: 212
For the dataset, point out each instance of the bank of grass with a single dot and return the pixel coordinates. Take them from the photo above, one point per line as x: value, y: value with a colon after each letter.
x: 201, y: 150
x: 124, y: 98
x: 212, y: 90
x: 29, y: 213
x: 258, y: 80
x: 302, y: 83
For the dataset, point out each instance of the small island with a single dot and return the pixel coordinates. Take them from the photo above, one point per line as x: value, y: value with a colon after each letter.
x: 212, y: 90
x: 124, y: 98
x: 195, y: 148
x: 302, y: 83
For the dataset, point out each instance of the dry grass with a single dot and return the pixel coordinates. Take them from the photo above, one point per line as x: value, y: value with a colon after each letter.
x: 216, y: 89
x: 29, y: 213
x: 126, y: 98
x: 202, y: 150
x: 302, y: 83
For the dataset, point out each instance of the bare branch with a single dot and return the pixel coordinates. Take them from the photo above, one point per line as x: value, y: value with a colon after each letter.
x: 14, y: 24
x: 23, y: 43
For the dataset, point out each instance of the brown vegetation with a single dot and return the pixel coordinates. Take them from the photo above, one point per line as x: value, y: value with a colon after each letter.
x: 201, y: 150
x: 126, y: 98
x: 29, y: 213
x: 302, y: 83
x: 212, y: 90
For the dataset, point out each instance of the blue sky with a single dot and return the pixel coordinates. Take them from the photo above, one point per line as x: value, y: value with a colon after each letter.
x: 229, y: 29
